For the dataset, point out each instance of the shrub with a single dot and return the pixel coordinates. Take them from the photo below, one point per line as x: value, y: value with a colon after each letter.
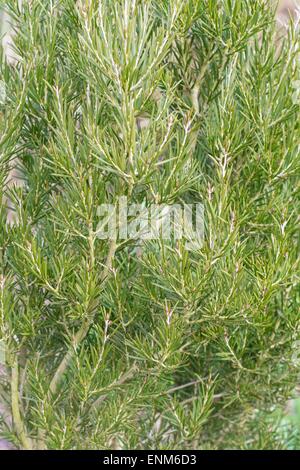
x: 130, y: 343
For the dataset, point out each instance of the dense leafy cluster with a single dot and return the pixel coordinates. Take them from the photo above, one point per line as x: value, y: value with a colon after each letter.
x: 120, y: 344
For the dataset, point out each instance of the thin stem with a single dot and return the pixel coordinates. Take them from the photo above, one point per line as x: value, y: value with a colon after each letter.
x: 17, y: 419
x: 195, y: 92
x: 196, y: 88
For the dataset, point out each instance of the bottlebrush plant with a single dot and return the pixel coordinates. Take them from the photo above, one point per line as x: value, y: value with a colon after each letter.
x: 147, y: 344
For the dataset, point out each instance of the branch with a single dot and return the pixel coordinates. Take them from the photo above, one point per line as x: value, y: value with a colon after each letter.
x: 80, y: 335
x: 124, y: 378
x: 82, y: 332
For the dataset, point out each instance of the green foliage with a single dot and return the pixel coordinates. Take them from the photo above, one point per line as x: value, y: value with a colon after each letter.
x: 113, y: 344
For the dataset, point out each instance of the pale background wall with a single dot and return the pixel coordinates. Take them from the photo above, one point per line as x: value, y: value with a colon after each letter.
x: 287, y: 8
